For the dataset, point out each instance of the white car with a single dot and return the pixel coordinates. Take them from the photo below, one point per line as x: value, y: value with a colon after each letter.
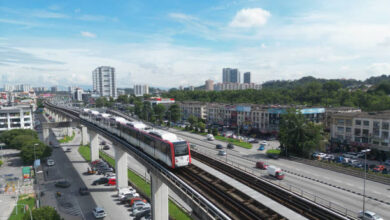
x: 387, y: 162
x: 367, y: 215
x: 99, y: 212
x: 127, y: 193
x: 50, y: 162
x: 141, y: 209
x: 264, y: 143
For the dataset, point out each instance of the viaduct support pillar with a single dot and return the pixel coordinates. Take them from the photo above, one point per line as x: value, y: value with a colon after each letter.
x: 159, y: 199
x: 69, y: 131
x: 45, y: 134
x: 120, y: 167
x: 94, y: 140
x: 84, y: 135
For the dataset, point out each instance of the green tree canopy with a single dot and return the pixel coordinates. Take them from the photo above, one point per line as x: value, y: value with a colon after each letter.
x: 43, y: 213
x: 159, y: 111
x: 175, y: 112
x: 297, y: 135
x: 7, y: 136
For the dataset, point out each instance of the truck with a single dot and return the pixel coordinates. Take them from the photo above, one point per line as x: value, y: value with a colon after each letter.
x: 210, y: 137
x: 275, y: 172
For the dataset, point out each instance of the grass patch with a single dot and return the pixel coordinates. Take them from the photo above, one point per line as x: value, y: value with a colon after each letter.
x: 174, y: 211
x: 234, y: 141
x: 273, y: 151
x: 25, y: 200
x: 67, y: 138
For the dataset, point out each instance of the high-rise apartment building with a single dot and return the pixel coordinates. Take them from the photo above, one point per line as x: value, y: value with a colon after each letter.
x: 230, y: 75
x: 247, y: 77
x: 104, y: 81
x: 140, y: 90
x: 209, y: 85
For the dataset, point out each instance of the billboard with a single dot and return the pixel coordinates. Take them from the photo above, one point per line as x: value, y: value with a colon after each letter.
x: 241, y: 108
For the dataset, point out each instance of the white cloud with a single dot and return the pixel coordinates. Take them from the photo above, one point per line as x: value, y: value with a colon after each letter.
x: 250, y: 17
x: 181, y: 16
x: 87, y: 34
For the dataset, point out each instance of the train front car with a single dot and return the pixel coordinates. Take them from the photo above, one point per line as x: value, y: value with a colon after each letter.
x: 182, y: 153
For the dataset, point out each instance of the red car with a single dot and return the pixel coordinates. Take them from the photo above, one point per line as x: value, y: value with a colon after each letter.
x: 378, y: 168
x: 131, y: 202
x: 261, y: 165
x: 96, y: 161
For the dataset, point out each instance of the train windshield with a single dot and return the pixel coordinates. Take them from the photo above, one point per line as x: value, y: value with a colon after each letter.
x: 181, y: 148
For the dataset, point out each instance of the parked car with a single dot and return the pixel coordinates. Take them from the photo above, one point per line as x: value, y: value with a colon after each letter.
x: 129, y: 196
x: 62, y: 184
x: 137, y: 204
x: 146, y: 215
x: 368, y: 215
x: 124, y: 191
x: 83, y: 191
x: 378, y: 168
x: 103, y: 143
x: 275, y: 172
x: 99, y: 212
x: 262, y: 147
x: 100, y: 181
x: 105, y: 170
x: 261, y: 165
x: 230, y: 146
x: 218, y: 146
x: 106, y: 147
x: 387, y: 162
x: 222, y: 153
x: 111, y: 181
x: 264, y: 143
x: 50, y: 162
x: 96, y: 161
x: 142, y: 209
x: 68, y: 149
x: 253, y: 141
x: 131, y: 202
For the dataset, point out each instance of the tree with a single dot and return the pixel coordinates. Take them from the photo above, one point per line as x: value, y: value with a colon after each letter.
x: 137, y: 108
x: 201, y: 126
x: 123, y: 99
x: 215, y: 131
x: 146, y: 111
x: 7, y: 136
x: 175, y: 112
x: 192, y: 120
x: 43, y: 213
x: 41, y: 151
x: 159, y: 111
x: 297, y: 135
x: 22, y: 140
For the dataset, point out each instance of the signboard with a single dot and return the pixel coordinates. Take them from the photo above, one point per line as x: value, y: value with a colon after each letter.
x: 313, y: 111
x: 241, y: 108
x: 26, y: 171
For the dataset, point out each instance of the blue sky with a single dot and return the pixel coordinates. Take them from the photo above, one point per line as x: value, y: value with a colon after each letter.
x: 172, y: 43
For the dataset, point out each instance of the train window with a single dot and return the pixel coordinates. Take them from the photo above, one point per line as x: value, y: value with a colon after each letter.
x: 181, y: 148
x: 167, y: 150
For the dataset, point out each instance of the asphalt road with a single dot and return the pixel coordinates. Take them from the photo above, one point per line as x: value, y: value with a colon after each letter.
x: 338, y: 197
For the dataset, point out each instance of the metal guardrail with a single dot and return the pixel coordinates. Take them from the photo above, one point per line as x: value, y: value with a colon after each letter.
x: 207, y: 206
x: 293, y: 189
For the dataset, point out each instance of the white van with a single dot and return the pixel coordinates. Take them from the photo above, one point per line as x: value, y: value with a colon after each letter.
x: 210, y: 137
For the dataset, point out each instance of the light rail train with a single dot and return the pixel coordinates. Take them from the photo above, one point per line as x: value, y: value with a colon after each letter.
x: 163, y: 146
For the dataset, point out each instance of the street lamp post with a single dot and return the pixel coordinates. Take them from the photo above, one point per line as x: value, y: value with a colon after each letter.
x: 35, y: 156
x: 365, y: 176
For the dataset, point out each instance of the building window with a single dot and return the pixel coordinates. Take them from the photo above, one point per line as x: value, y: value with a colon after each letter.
x: 376, y: 142
x: 366, y: 123
x: 340, y: 129
x: 376, y: 124
x: 358, y: 122
x: 385, y: 144
x: 340, y: 122
x: 357, y: 139
x: 357, y: 132
x: 348, y: 122
x: 348, y: 129
x: 385, y: 125
x: 3, y: 114
x: 365, y: 132
x: 385, y: 134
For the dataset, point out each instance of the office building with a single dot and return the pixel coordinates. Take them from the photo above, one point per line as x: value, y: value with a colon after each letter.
x: 236, y: 86
x: 8, y: 88
x: 54, y: 89
x: 15, y: 117
x: 140, y: 90
x: 104, y: 81
x: 247, y: 77
x: 230, y: 75
x: 209, y: 85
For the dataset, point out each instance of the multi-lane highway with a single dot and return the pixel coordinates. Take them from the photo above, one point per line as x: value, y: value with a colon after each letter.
x: 340, y: 198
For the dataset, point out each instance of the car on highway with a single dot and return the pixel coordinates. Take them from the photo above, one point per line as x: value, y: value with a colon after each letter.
x: 50, y: 162
x: 62, y: 184
x: 275, y: 172
x: 219, y: 146
x: 84, y: 191
x: 261, y: 165
x: 100, y: 181
x: 368, y: 215
x: 222, y: 153
x: 230, y: 146
x: 98, y: 212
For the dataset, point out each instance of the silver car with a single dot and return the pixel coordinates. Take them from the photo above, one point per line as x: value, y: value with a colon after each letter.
x: 222, y: 153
